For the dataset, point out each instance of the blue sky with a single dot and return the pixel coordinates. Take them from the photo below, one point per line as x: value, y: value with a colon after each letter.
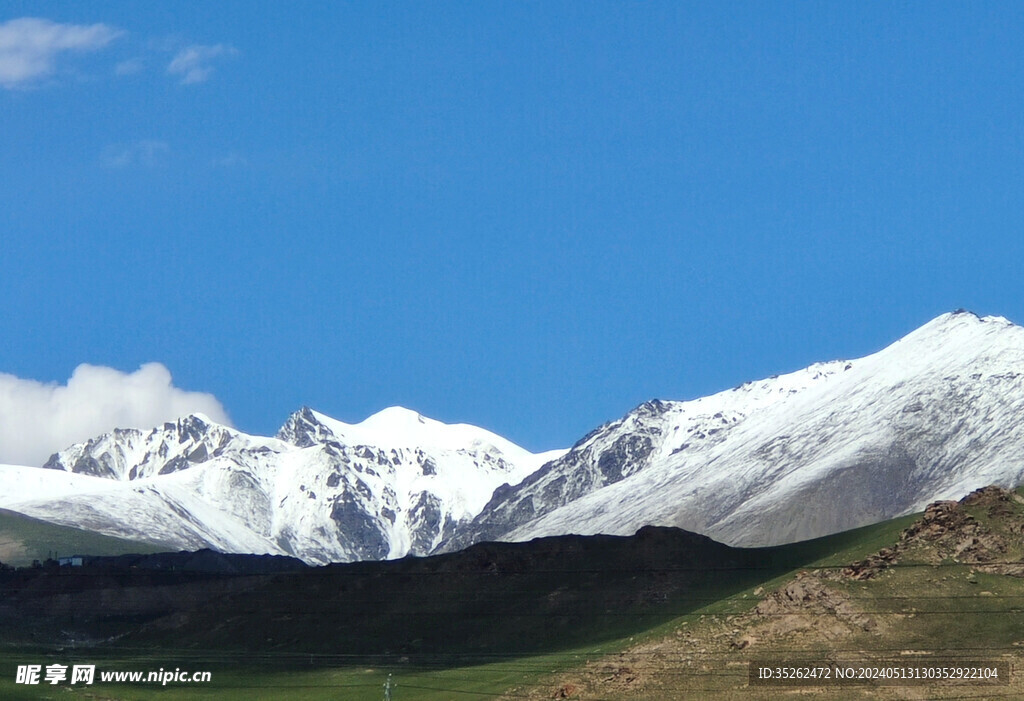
x: 527, y: 216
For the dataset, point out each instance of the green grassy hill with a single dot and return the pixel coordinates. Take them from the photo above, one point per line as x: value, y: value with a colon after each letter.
x: 24, y: 539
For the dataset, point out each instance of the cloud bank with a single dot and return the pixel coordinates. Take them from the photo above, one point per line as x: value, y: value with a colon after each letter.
x: 29, y: 46
x: 37, y: 419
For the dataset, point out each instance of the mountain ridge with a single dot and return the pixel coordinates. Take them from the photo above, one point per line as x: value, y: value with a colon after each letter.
x: 321, y: 489
x: 928, y: 417
x: 899, y: 420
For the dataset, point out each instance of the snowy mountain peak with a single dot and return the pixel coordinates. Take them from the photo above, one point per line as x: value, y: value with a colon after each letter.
x: 400, y: 428
x: 949, y: 344
x: 395, y: 417
x: 129, y: 454
x: 394, y: 425
x: 960, y: 323
x: 305, y: 429
x: 830, y: 447
x: 193, y: 427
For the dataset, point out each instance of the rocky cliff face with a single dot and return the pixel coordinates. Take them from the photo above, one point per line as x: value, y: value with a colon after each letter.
x: 608, y: 455
x: 133, y: 454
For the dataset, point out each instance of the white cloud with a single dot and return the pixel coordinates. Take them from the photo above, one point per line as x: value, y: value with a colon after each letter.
x: 37, y: 419
x: 147, y: 152
x: 29, y: 46
x: 193, y: 62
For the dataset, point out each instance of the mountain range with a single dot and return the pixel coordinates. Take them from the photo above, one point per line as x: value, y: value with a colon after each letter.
x: 322, y: 490
x: 831, y: 447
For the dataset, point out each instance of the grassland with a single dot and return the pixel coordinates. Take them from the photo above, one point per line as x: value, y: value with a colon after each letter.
x: 951, y: 591
x: 596, y: 619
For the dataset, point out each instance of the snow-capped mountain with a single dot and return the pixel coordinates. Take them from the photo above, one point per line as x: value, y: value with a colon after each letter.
x: 828, y: 448
x: 129, y: 454
x: 322, y: 490
x: 832, y: 447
